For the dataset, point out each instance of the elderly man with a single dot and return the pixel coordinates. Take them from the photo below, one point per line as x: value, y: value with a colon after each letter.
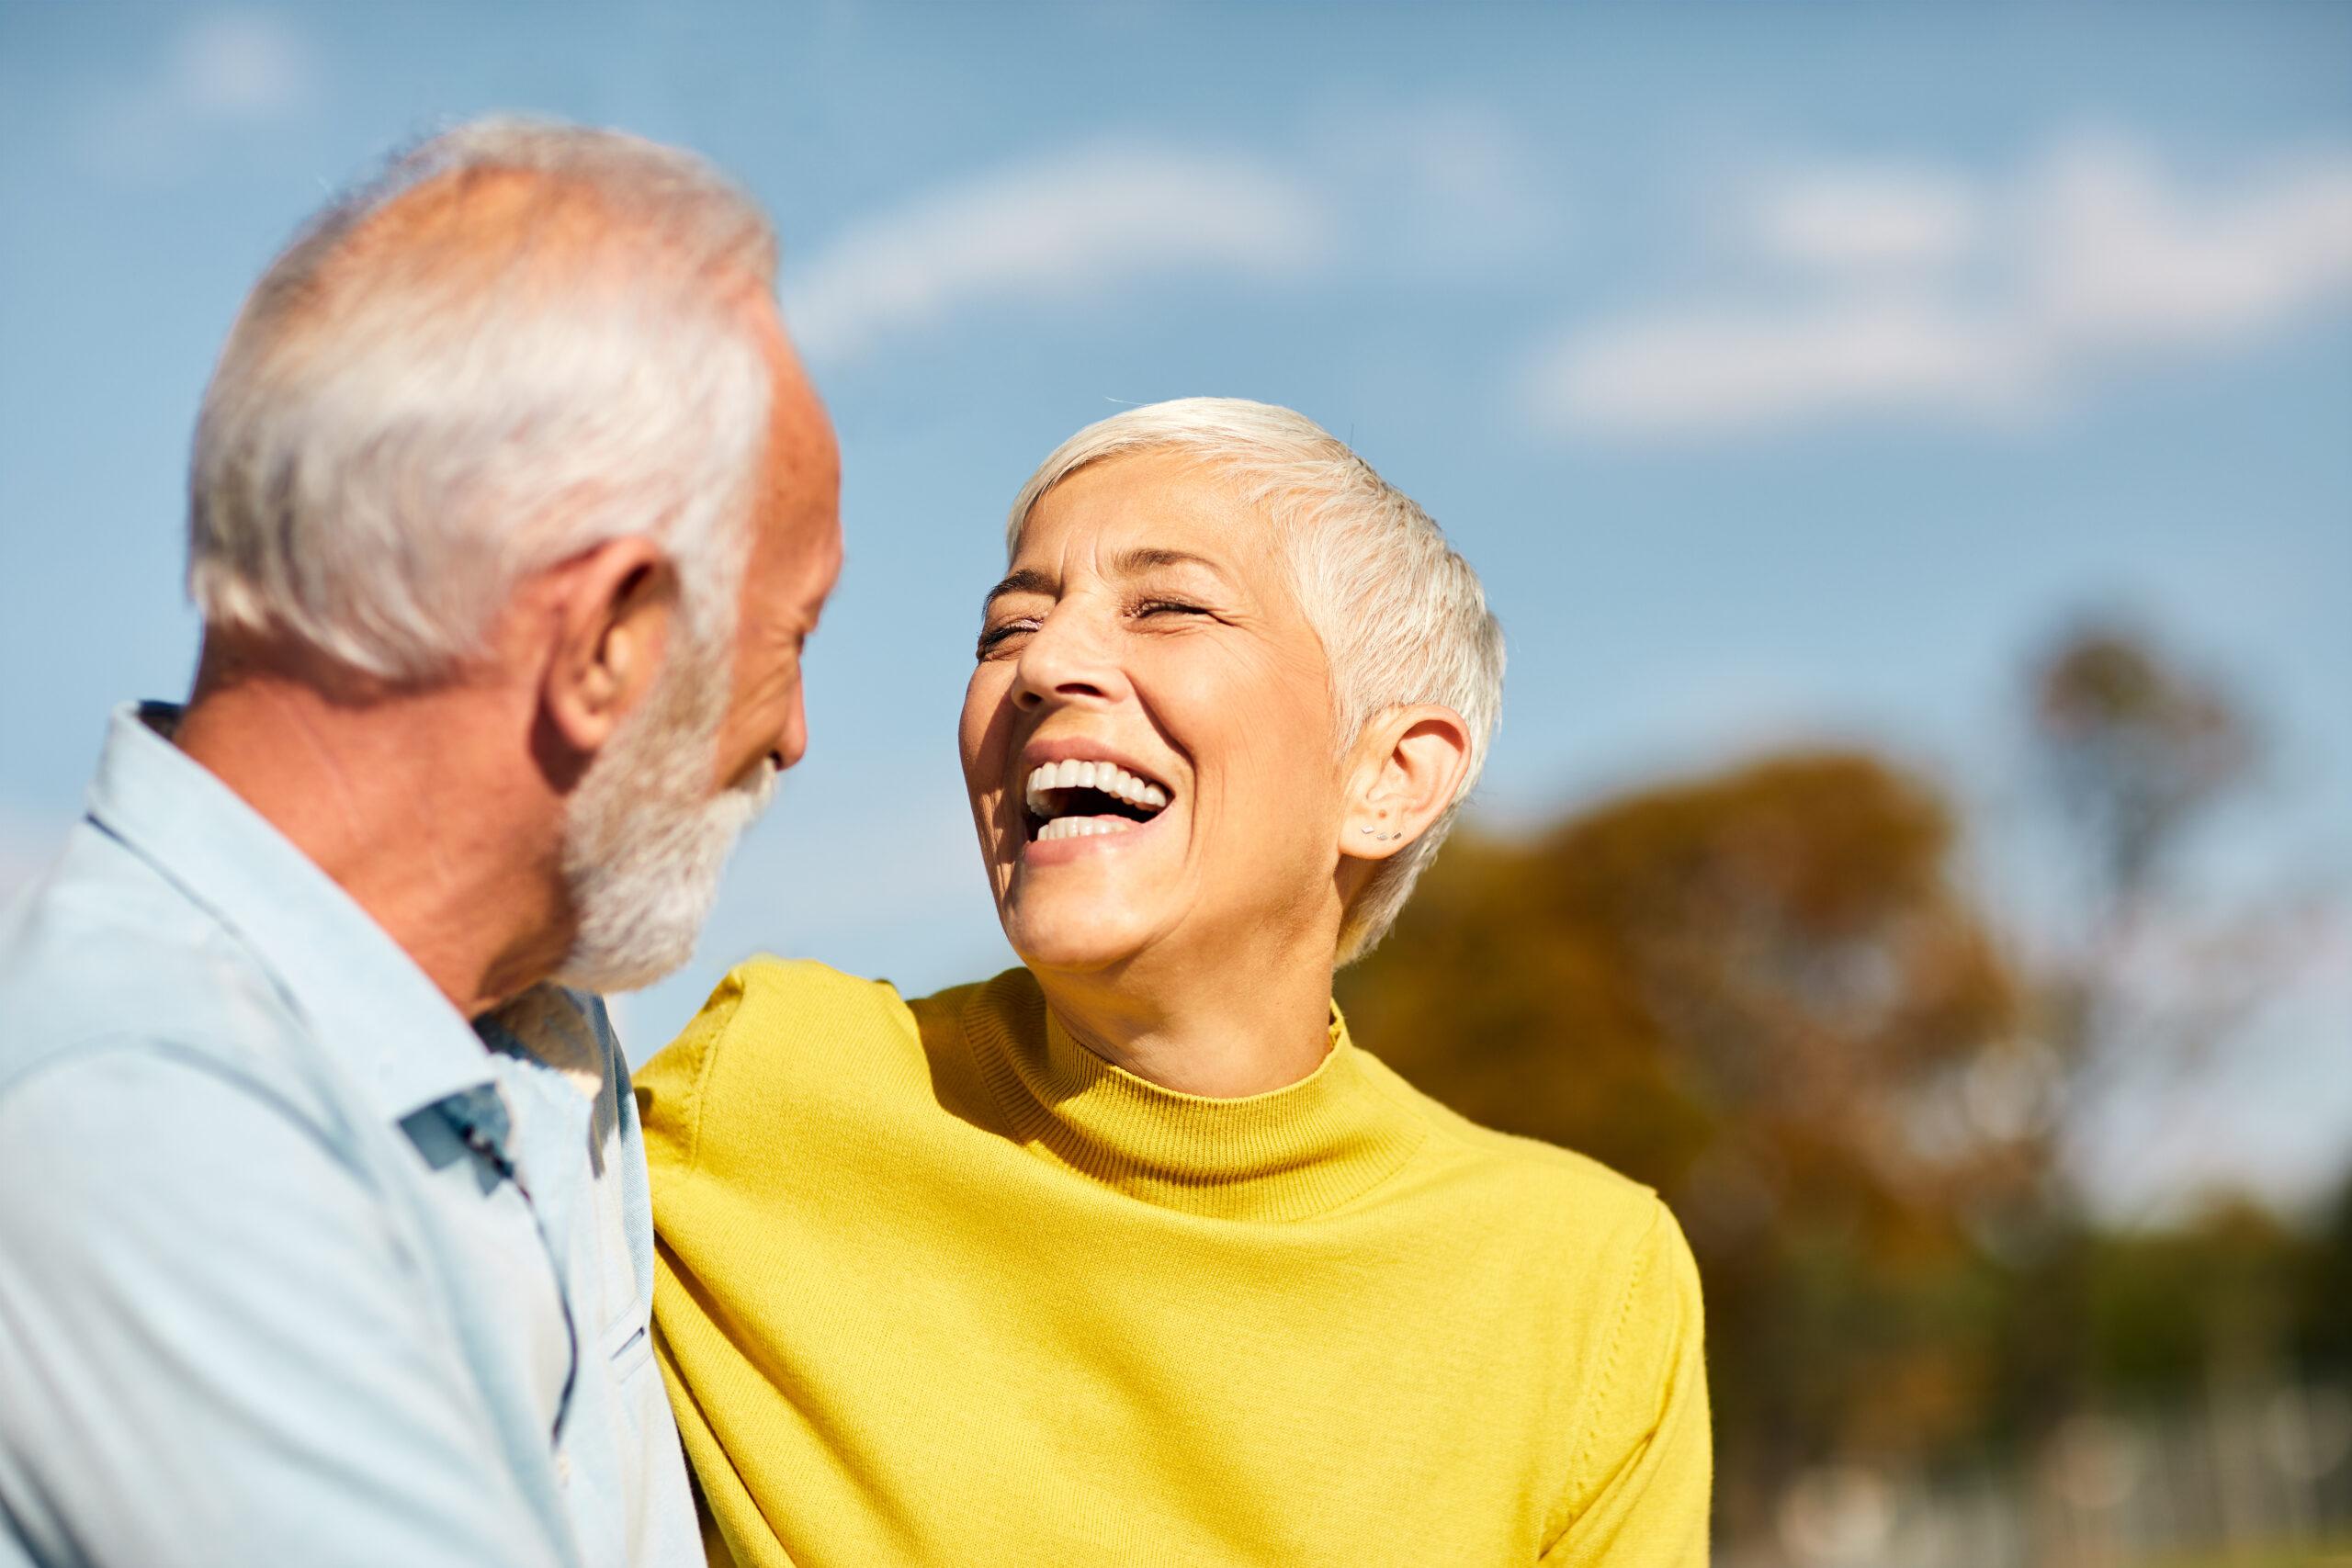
x: 510, y: 511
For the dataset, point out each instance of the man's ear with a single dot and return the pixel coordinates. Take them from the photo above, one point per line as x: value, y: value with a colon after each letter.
x: 611, y: 608
x: 1407, y: 767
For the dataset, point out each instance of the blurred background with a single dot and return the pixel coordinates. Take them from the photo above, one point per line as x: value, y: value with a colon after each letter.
x: 1910, y: 448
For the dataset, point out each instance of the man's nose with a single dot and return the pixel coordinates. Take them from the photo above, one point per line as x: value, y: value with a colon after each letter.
x: 792, y: 739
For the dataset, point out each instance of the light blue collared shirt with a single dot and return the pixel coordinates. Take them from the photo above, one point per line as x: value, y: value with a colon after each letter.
x: 295, y: 1265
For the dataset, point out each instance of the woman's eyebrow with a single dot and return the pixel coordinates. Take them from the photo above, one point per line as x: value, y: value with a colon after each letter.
x: 1028, y: 580
x: 1144, y: 558
x: 1127, y: 563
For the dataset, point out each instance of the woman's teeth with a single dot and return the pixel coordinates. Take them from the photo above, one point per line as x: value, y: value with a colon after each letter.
x: 1081, y: 799
x: 1107, y: 777
x: 1083, y: 827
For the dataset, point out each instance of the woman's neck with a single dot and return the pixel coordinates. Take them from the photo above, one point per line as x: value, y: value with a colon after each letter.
x: 1222, y: 1036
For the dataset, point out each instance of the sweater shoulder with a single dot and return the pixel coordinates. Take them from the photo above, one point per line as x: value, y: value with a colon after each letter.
x: 1619, y: 1296
x: 785, y: 1043
x: 1553, y: 1183
x: 770, y: 1009
x: 779, y: 991
x: 772, y: 1030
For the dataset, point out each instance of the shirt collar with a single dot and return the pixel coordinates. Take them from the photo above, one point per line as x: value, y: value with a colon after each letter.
x: 369, y: 1005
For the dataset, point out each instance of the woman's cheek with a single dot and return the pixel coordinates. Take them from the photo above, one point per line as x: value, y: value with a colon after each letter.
x: 978, y: 736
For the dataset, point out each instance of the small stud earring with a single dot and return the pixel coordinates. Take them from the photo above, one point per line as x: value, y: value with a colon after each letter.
x: 1384, y: 838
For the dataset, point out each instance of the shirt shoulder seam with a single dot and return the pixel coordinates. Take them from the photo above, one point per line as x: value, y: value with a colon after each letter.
x: 215, y: 1060
x: 756, y: 974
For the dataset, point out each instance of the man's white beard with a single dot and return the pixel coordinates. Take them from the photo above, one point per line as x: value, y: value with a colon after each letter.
x: 642, y: 847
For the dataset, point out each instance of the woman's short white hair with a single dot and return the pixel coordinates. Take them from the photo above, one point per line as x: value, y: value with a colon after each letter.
x: 1402, y: 618
x: 522, y: 339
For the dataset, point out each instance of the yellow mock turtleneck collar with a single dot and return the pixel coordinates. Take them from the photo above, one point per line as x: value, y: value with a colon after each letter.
x: 1285, y: 1155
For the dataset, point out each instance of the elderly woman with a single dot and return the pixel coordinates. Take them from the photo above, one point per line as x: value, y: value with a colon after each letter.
x: 1128, y: 1255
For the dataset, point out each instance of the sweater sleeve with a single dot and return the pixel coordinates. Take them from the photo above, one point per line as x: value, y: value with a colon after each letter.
x: 1646, y: 1458
x: 670, y: 1088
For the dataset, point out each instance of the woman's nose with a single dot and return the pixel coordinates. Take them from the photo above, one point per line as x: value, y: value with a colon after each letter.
x: 1068, y: 658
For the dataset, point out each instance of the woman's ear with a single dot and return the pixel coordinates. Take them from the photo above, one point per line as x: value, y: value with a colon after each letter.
x: 611, y: 609
x: 1407, y: 768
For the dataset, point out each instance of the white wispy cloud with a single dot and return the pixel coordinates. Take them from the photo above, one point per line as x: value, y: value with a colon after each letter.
x: 1867, y: 219
x: 1080, y: 223
x: 1712, y: 367
x: 1934, y: 293
x: 2123, y: 254
x: 218, y: 70
x: 1436, y: 192
x: 241, y: 65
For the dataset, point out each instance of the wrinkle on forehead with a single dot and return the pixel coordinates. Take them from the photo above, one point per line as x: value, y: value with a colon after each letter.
x: 1123, y: 519
x: 1149, y: 513
x: 1263, y: 553
x: 1249, y: 496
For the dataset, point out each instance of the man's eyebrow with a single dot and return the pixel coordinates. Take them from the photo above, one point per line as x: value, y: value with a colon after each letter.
x: 1028, y: 580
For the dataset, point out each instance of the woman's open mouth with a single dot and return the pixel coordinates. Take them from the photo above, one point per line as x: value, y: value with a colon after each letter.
x: 1072, y: 799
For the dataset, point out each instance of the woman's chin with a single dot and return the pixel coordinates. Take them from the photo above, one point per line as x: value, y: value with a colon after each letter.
x: 1072, y: 934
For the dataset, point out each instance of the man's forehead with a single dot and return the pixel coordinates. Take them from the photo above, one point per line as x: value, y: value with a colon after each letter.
x: 807, y: 462
x: 803, y: 512
x: 804, y: 454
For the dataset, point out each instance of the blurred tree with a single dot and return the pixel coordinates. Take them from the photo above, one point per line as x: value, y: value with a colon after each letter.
x: 2324, y: 1315
x: 2135, y: 754
x: 2134, y: 984
x: 2164, y: 1303
x: 1765, y: 995
x: 2136, y: 749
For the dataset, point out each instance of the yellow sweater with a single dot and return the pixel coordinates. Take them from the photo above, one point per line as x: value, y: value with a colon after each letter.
x: 938, y: 1286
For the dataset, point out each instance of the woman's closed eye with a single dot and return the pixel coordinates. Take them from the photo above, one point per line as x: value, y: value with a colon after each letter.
x: 991, y: 638
x: 994, y: 638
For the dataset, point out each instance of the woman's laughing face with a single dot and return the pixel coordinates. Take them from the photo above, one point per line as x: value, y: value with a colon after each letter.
x: 1149, y: 739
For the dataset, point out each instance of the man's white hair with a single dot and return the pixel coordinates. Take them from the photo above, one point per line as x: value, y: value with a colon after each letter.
x: 1402, y: 618
x: 522, y: 339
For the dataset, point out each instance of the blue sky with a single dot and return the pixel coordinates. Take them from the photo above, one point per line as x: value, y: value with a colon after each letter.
x: 1789, y: 372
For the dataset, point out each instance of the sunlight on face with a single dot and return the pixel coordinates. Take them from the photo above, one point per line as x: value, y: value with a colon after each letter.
x: 645, y: 838
x: 660, y: 808
x: 1148, y: 647
x: 794, y: 561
